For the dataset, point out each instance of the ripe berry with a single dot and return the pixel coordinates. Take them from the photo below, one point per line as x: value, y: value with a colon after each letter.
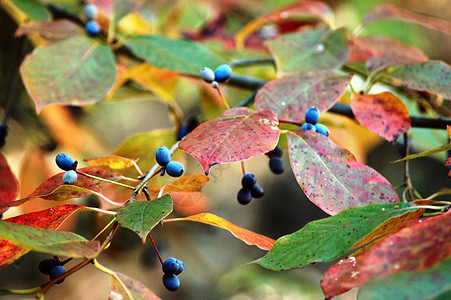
x: 163, y: 156
x: 312, y: 115
x: 214, y: 84
x: 170, y: 265
x: 46, y: 265
x: 276, y: 165
x: 277, y: 151
x: 92, y: 28
x: 57, y: 271
x: 320, y: 128
x: 180, y: 268
x: 248, y: 180
x: 70, y: 177
x: 308, y: 126
x: 65, y: 162
x: 174, y: 169
x: 257, y: 191
x: 3, y: 134
x: 244, y: 196
x: 222, y: 73
x: 171, y: 282
x: 207, y: 75
x: 183, y: 131
x: 91, y: 11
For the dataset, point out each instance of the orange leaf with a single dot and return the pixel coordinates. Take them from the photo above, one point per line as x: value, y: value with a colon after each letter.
x: 111, y: 161
x: 9, y: 187
x: 187, y: 183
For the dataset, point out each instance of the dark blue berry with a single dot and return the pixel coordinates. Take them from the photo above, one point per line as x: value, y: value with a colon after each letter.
x: 183, y: 131
x: 248, y: 180
x: 174, y: 169
x: 223, y: 73
x: 163, y: 156
x: 92, y: 28
x: 308, y: 126
x: 257, y: 191
x: 276, y: 165
x: 320, y: 128
x: 57, y: 271
x: 46, y: 265
x: 180, y: 268
x: 312, y: 115
x: 70, y: 177
x: 207, y: 75
x: 91, y: 11
x: 170, y: 265
x: 171, y: 282
x: 277, y: 151
x: 3, y: 134
x: 244, y: 196
x: 65, y: 162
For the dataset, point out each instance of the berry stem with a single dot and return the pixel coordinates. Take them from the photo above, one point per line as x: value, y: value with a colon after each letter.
x: 224, y: 101
x: 243, y: 169
x: 155, y: 248
x: 407, y: 181
x: 106, y: 180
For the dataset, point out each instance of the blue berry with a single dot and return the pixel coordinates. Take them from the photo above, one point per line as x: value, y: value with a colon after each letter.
x: 92, y: 28
x: 57, y: 271
x: 320, y: 128
x: 91, y: 11
x: 257, y: 191
x: 244, y: 196
x: 277, y: 151
x: 223, y: 73
x: 214, y: 84
x: 180, y: 268
x: 174, y: 169
x: 183, y: 131
x: 312, y: 115
x: 308, y: 126
x: 171, y: 282
x: 70, y: 177
x: 163, y: 156
x: 3, y: 134
x: 170, y: 265
x: 207, y: 75
x: 46, y: 265
x: 276, y: 165
x: 65, y: 162
x: 248, y: 180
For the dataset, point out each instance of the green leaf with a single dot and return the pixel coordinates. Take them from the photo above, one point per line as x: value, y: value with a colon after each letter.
x: 35, y: 10
x: 48, y: 241
x: 174, y: 54
x: 315, y: 49
x: 75, y: 71
x: 329, y: 238
x: 426, y: 153
x: 432, y: 283
x: 142, y: 216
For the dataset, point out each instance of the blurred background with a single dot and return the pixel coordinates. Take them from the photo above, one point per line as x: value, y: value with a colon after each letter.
x: 214, y: 260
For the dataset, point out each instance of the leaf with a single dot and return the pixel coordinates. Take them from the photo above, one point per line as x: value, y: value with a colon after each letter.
x: 9, y: 186
x: 331, y: 177
x: 178, y: 55
x: 186, y: 183
x: 49, y: 218
x: 426, y: 153
x: 418, y: 245
x: 330, y: 238
x: 82, y: 72
x: 125, y: 288
x: 301, y: 9
x: 315, y: 49
x: 448, y: 165
x: 384, y: 114
x: 112, y: 161
x: 51, y: 30
x: 289, y: 97
x: 431, y: 76
x: 48, y: 241
x: 34, y: 10
x: 142, y: 216
x: 249, y: 237
x: 391, y: 11
x: 236, y: 135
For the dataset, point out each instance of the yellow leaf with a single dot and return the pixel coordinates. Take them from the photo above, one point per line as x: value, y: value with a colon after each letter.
x: 112, y: 161
x: 133, y: 23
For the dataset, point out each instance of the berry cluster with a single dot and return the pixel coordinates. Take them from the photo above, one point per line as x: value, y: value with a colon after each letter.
x: 92, y: 27
x: 171, y: 268
x: 311, y: 122
x: 250, y: 189
x: 66, y: 163
x: 51, y: 267
x: 221, y: 74
x: 172, y: 168
x: 275, y: 161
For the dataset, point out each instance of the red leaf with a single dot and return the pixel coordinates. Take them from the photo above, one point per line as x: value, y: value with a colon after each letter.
x: 384, y: 114
x: 448, y: 164
x: 238, y: 134
x: 9, y: 187
x: 419, y: 245
x: 49, y: 218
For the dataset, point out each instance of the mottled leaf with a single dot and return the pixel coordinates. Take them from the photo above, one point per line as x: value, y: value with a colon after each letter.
x: 289, y: 97
x: 51, y: 30
x: 142, y: 216
x: 431, y: 76
x: 426, y: 153
x: 124, y: 288
x: 249, y: 237
x: 178, y: 55
x: 83, y: 71
x: 48, y: 241
x: 315, y: 49
x: 330, y: 238
x: 384, y: 114
x: 419, y: 245
x: 236, y: 135
x: 111, y: 161
x: 9, y: 186
x: 331, y: 177
x: 187, y: 183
